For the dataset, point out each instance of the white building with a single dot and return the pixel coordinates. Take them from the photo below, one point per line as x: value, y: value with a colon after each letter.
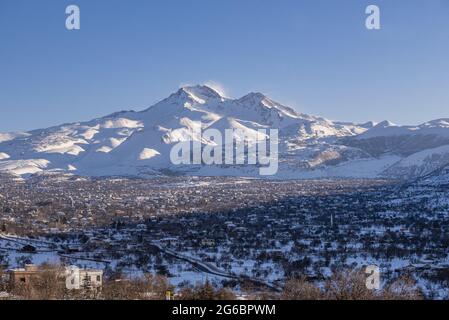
x: 84, y: 279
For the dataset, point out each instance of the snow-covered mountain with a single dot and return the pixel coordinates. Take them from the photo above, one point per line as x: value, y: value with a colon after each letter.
x: 386, y: 137
x: 139, y: 143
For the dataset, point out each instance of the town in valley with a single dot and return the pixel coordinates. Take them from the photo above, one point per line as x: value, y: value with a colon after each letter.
x: 245, y: 234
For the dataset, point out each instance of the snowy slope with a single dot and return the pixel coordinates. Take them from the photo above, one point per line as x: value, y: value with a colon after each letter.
x: 421, y: 163
x: 437, y: 178
x: 384, y: 129
x: 386, y: 138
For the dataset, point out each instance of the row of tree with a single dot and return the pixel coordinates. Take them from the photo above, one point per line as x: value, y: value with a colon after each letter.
x: 344, y: 285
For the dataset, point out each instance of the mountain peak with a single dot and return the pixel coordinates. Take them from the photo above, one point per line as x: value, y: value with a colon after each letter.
x: 254, y: 96
x: 259, y: 99
x: 385, y: 124
x: 201, y: 93
x: 439, y: 123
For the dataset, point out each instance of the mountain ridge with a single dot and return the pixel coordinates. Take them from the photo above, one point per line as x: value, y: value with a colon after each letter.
x: 138, y: 143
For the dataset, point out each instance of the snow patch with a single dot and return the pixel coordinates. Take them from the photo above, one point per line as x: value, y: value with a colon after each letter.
x: 4, y: 156
x: 148, y: 154
x: 121, y: 123
x: 22, y: 167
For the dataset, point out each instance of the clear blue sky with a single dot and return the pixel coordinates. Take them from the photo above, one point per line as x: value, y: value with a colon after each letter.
x: 314, y: 55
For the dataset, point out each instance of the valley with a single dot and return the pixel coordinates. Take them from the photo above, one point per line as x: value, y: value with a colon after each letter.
x: 245, y: 234
x: 107, y: 194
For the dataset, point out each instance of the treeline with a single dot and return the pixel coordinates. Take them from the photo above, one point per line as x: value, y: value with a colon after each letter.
x: 344, y: 285
x: 350, y: 285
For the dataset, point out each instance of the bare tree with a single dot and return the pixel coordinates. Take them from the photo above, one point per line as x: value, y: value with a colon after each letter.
x: 147, y: 288
x: 405, y: 288
x: 301, y: 289
x: 49, y: 283
x: 348, y: 285
x: 206, y: 291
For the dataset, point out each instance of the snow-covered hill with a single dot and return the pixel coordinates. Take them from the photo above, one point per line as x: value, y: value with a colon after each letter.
x: 139, y: 143
x: 438, y: 178
x: 386, y: 137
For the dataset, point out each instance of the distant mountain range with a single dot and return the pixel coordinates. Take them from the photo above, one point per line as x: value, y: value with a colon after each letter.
x: 130, y: 143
